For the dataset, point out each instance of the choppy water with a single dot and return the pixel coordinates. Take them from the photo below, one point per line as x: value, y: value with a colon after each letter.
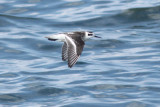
x: 122, y: 69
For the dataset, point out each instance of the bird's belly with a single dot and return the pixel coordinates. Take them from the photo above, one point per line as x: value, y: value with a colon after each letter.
x: 57, y: 37
x: 60, y: 37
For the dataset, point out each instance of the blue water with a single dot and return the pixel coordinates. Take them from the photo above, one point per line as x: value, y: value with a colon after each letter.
x: 122, y: 69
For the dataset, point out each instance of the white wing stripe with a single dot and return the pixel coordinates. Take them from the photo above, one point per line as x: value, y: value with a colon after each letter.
x: 72, y: 42
x: 72, y: 51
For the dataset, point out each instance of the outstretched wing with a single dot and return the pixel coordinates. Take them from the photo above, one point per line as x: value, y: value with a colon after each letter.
x: 64, y: 52
x: 74, y: 50
x: 77, y: 38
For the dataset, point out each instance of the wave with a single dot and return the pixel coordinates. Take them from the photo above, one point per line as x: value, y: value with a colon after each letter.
x: 133, y: 15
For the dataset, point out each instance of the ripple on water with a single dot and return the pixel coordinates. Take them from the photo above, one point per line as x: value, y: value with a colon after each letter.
x: 119, y: 70
x: 11, y: 98
x: 52, y: 91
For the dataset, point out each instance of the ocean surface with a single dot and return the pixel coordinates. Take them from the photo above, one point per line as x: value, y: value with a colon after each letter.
x: 121, y: 69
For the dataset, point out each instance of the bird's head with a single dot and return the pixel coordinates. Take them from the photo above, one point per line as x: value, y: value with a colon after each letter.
x: 89, y: 35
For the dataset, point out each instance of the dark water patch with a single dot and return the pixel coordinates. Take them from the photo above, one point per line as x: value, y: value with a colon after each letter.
x: 106, y: 45
x: 149, y: 63
x: 93, y: 104
x: 137, y: 104
x: 113, y: 87
x: 22, y: 22
x: 110, y: 72
x: 47, y: 66
x: 74, y: 4
x: 79, y: 82
x: 140, y: 27
x: 139, y: 14
x: 50, y: 71
x: 16, y: 11
x: 102, y: 2
x: 33, y: 86
x: 21, y: 19
x: 135, y: 15
x: 11, y: 98
x: 4, y: 22
x: 82, y: 63
x: 151, y: 89
x: 124, y: 89
x: 51, y: 91
x: 10, y: 53
x: 8, y: 75
x: 127, y: 57
x: 149, y: 29
x: 121, y: 96
x: 152, y: 44
x: 21, y: 34
x: 36, y: 78
x: 95, y: 22
x: 112, y: 43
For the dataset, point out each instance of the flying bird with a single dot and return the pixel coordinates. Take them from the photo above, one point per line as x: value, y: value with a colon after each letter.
x: 73, y: 44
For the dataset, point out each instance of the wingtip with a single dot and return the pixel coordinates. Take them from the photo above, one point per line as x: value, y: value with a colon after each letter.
x: 69, y: 66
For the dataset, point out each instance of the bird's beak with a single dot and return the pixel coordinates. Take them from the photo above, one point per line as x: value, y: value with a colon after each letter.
x: 97, y: 36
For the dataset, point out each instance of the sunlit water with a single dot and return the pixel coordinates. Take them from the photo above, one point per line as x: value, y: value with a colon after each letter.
x: 122, y: 69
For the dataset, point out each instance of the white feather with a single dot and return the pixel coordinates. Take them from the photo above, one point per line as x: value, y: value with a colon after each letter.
x: 59, y: 37
x: 72, y: 42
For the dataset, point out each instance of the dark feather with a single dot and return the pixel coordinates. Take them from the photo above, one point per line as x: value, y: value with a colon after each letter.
x: 72, y: 44
x: 77, y: 38
x: 64, y: 52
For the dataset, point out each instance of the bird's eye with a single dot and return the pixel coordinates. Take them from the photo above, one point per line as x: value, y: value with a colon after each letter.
x: 90, y: 34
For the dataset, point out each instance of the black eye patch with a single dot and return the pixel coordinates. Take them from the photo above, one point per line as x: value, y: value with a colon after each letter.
x: 90, y: 34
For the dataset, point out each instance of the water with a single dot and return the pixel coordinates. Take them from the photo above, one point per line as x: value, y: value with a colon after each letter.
x: 122, y: 69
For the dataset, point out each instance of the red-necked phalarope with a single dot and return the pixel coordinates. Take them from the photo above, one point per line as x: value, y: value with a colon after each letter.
x: 73, y: 44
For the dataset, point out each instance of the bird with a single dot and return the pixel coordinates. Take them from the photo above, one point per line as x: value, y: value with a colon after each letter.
x: 73, y: 44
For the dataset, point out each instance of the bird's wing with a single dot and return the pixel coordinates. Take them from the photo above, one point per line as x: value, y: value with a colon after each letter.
x: 64, y: 52
x: 77, y: 38
x: 74, y: 50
